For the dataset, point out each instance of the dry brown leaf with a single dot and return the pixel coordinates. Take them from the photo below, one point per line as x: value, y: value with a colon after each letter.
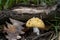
x: 11, y: 28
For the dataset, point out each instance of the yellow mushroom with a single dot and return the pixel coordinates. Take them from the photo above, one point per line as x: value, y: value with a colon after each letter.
x: 36, y: 23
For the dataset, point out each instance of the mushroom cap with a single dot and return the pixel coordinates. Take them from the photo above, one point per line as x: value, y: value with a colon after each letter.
x: 35, y: 22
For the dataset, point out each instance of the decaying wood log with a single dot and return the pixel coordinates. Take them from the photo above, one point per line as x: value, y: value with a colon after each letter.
x: 27, y: 12
x: 34, y: 9
x: 24, y: 14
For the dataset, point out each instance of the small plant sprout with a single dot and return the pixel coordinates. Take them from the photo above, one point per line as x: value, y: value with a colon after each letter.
x: 36, y: 23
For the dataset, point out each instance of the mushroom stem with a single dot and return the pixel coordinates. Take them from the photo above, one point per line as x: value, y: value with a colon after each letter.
x: 36, y: 30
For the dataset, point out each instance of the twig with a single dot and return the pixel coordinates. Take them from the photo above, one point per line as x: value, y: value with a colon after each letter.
x: 51, y: 36
x: 42, y: 35
x: 54, y: 38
